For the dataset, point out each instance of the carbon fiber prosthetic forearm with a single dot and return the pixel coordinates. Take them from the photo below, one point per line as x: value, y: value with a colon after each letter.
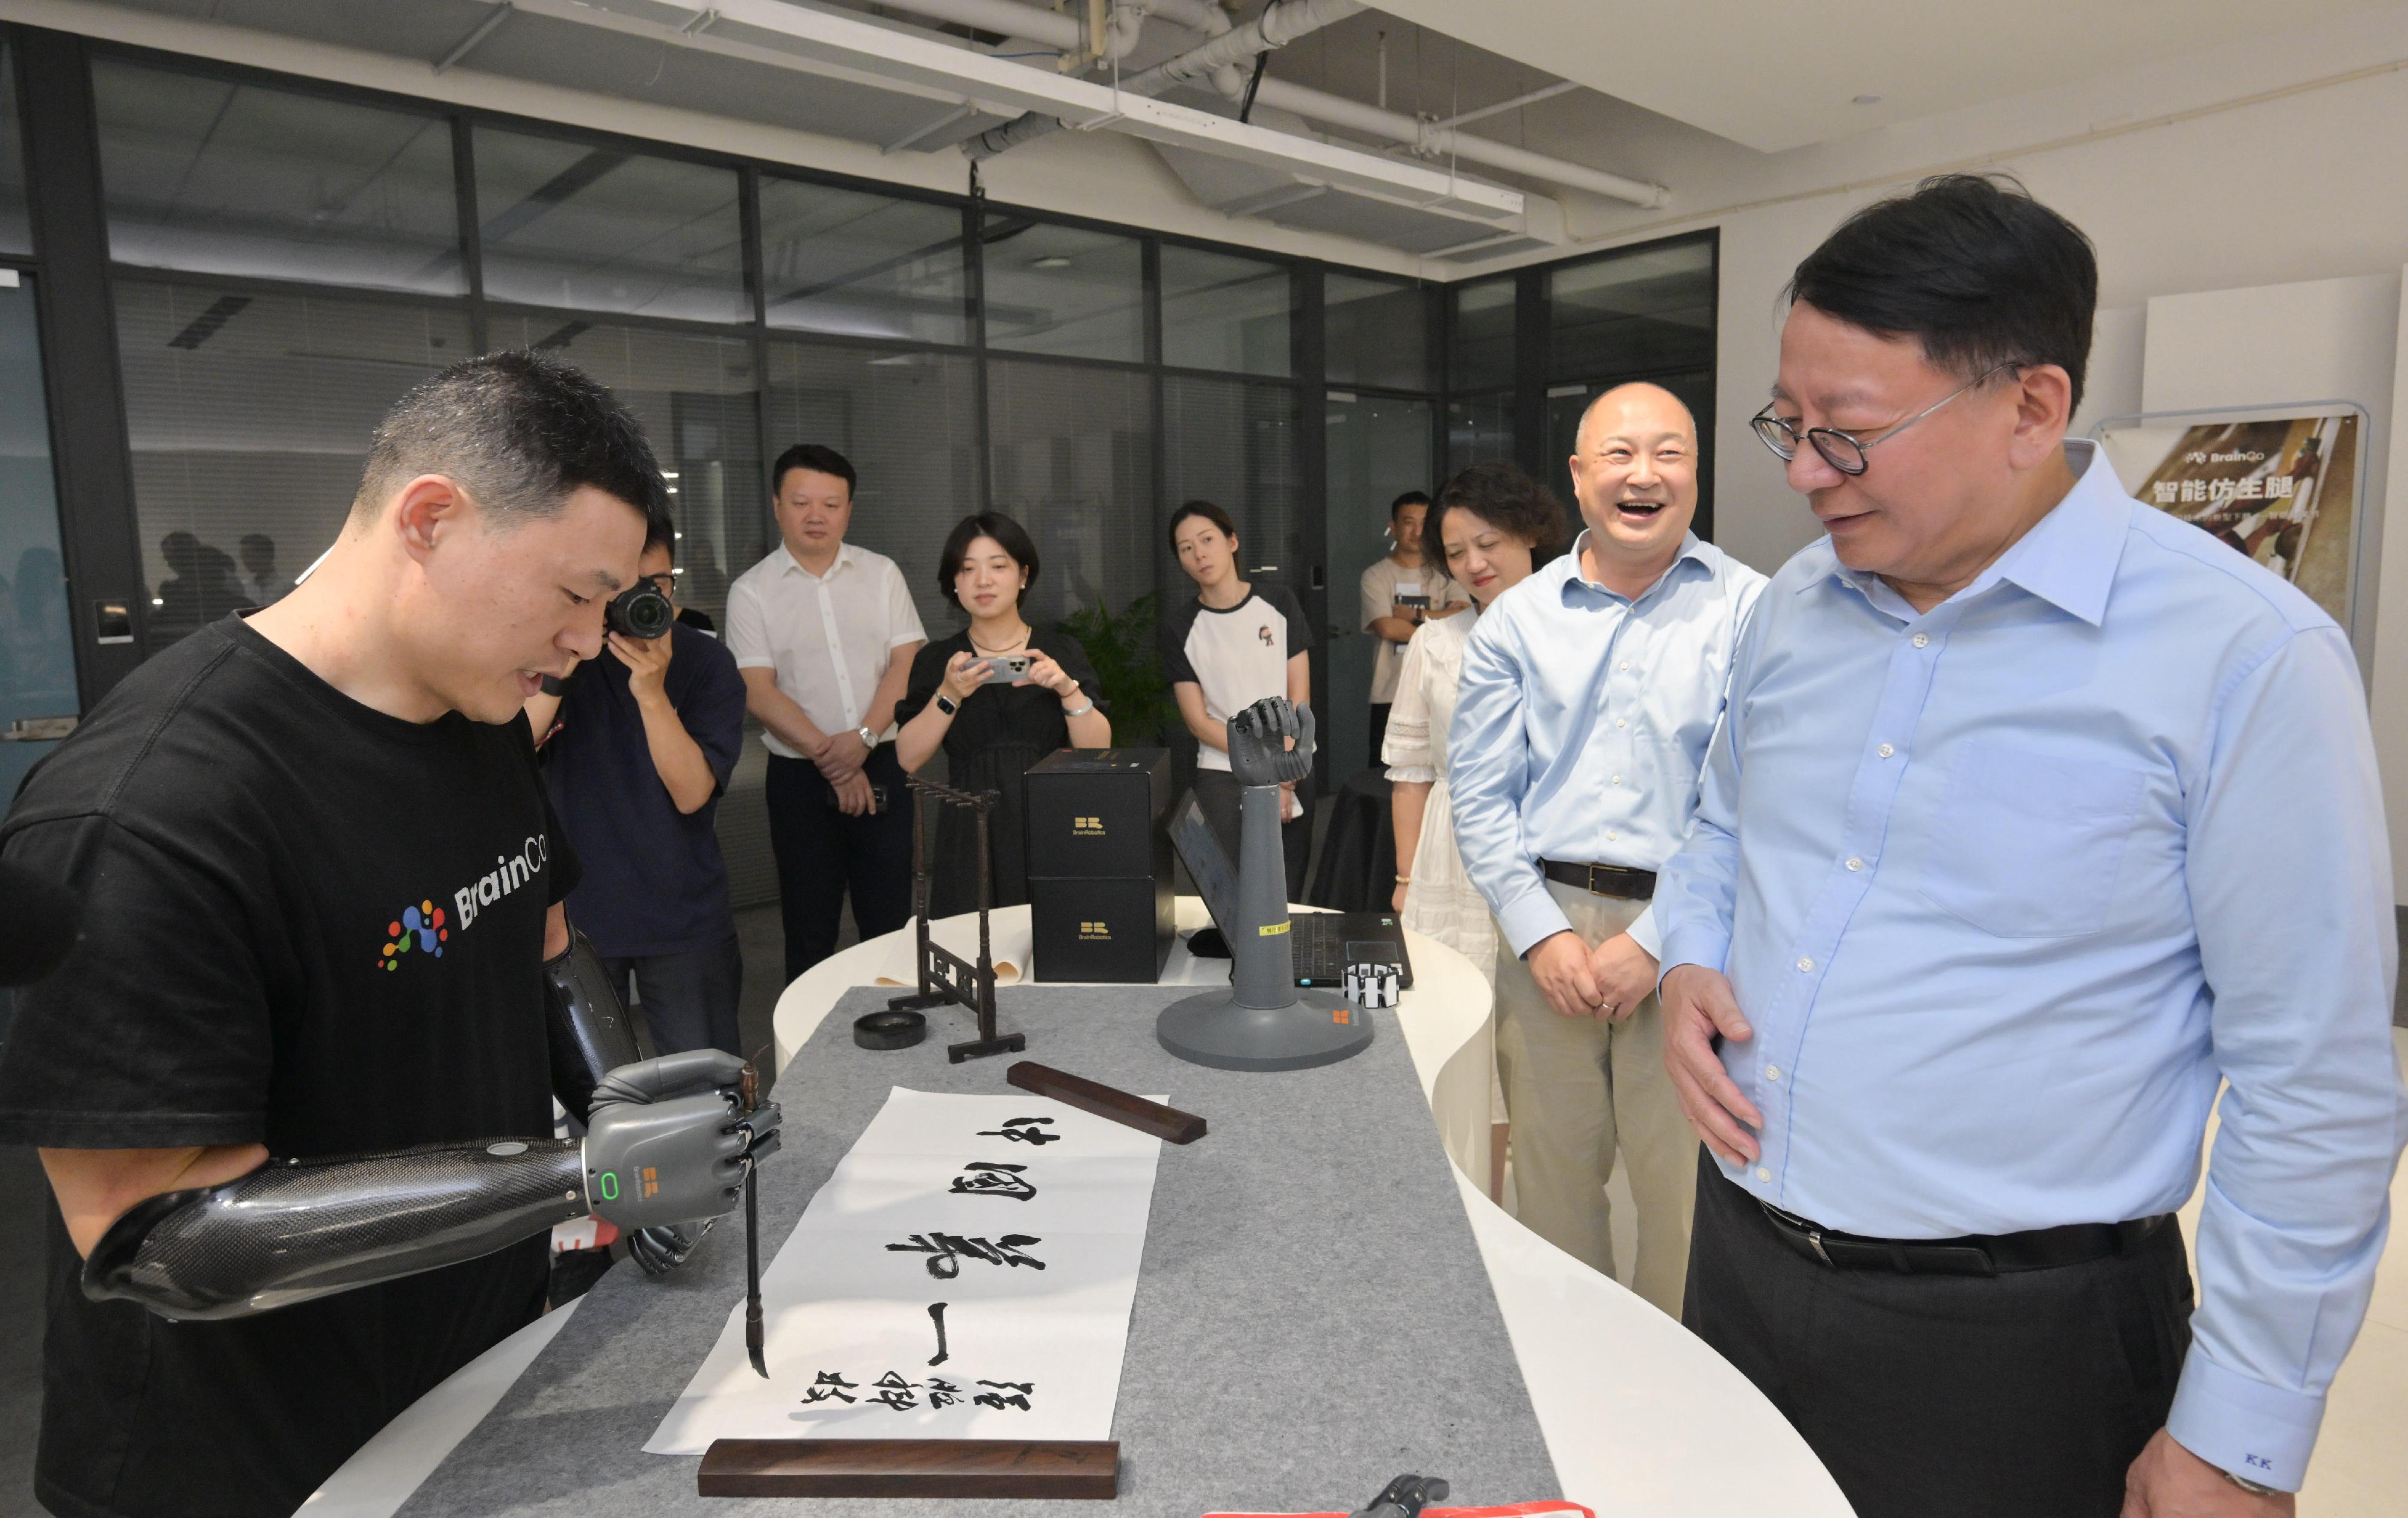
x: 589, y: 1030
x: 297, y: 1229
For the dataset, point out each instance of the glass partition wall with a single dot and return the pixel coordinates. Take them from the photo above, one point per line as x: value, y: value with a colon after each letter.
x: 284, y: 258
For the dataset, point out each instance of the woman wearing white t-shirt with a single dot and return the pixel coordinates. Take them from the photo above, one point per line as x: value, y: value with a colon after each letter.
x: 1232, y: 646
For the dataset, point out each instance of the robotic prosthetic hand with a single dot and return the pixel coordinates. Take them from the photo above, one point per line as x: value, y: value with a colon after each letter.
x: 1270, y: 743
x: 591, y: 1036
x: 1261, y: 751
x: 667, y: 1143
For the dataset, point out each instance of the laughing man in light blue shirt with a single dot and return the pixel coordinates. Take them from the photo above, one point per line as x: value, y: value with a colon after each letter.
x: 2038, y: 816
x: 1587, y: 696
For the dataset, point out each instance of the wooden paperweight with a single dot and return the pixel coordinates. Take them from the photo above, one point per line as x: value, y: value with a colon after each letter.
x: 1165, y: 1123
x: 909, y: 1467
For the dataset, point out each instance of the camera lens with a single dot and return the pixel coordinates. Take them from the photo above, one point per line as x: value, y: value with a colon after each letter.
x: 640, y: 613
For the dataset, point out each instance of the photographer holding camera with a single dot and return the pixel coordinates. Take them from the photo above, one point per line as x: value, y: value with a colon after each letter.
x: 636, y: 750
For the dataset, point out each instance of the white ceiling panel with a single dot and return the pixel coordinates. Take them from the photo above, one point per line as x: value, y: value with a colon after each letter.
x: 1778, y: 77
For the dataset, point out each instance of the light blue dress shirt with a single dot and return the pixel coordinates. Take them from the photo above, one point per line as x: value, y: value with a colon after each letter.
x: 2006, y: 888
x: 1581, y: 723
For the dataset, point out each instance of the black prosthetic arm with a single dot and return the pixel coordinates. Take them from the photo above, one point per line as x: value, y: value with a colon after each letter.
x: 667, y: 1147
x: 666, y: 1151
x: 590, y: 1033
x: 297, y: 1230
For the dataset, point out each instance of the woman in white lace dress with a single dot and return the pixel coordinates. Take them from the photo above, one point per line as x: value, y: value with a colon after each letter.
x: 1490, y: 524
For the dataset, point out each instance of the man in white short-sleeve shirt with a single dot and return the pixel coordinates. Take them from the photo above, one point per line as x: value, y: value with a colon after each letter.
x: 824, y: 633
x: 1401, y: 591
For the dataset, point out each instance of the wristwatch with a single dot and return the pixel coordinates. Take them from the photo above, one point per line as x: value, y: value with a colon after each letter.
x: 868, y: 738
x: 946, y: 704
x: 2253, y: 1488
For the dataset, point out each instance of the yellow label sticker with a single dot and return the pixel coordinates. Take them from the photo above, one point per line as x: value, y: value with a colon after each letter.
x: 1272, y: 930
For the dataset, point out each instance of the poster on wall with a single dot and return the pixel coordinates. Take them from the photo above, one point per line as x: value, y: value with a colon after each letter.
x: 2281, y: 489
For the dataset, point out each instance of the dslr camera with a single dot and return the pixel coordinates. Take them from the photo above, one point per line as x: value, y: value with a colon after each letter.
x: 639, y: 611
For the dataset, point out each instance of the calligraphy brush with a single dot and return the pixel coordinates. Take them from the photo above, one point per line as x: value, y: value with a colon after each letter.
x: 753, y: 1336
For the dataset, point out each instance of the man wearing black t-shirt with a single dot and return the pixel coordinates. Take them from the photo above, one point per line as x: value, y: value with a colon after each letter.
x: 319, y: 884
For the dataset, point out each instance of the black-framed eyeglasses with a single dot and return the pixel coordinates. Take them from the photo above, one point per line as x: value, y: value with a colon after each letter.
x: 664, y: 583
x: 1844, y: 451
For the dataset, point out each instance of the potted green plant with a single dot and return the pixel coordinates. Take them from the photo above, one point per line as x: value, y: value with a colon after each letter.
x: 1129, y: 665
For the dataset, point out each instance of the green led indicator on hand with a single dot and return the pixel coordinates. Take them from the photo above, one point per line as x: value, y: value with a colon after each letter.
x: 606, y: 1185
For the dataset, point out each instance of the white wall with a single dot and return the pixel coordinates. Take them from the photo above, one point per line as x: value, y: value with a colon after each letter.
x: 2299, y: 189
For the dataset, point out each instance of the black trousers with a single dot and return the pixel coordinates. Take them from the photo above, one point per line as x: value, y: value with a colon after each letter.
x: 689, y: 999
x: 821, y: 853
x: 2006, y: 1396
x: 1379, y: 733
x: 1217, y: 794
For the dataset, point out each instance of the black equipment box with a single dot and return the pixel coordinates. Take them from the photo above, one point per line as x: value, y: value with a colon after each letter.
x: 1108, y: 931
x: 1099, y: 814
x: 1099, y: 870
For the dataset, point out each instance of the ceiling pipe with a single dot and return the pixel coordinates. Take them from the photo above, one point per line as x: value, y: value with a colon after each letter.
x: 1432, y: 140
x: 1206, y: 17
x: 1005, y: 18
x: 1281, y: 24
x: 1546, y: 92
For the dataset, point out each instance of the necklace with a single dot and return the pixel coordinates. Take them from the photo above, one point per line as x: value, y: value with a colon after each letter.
x: 1014, y: 645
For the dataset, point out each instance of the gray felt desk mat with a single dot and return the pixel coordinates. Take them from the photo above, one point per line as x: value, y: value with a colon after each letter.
x: 1312, y: 1317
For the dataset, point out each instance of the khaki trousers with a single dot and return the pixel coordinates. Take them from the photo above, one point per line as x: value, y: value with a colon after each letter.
x: 1582, y: 1092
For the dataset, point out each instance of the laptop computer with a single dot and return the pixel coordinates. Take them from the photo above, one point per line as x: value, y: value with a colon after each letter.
x: 1325, y: 943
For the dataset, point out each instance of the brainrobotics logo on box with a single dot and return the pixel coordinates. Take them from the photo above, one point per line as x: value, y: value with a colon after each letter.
x: 428, y: 927
x: 420, y: 927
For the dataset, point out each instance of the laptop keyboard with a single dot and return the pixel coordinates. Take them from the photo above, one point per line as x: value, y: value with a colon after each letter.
x: 1320, y: 948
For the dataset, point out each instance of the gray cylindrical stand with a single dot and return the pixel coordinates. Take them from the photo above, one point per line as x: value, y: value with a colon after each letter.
x: 1262, y: 1022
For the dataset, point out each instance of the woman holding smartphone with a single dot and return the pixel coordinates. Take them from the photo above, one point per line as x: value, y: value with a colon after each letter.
x: 1229, y: 648
x: 996, y: 696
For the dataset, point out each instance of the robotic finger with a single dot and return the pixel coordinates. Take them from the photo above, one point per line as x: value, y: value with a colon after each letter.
x: 1405, y: 1497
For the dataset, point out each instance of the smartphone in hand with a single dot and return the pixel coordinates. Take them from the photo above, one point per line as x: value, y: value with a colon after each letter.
x: 1006, y: 669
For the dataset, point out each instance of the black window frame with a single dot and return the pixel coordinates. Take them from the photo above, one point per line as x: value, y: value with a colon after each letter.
x: 74, y: 277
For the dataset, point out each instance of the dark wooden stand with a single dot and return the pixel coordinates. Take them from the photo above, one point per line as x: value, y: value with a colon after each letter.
x: 945, y: 977
x: 909, y: 1467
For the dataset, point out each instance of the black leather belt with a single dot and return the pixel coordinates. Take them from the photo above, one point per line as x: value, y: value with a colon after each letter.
x: 1974, y: 1255
x: 1603, y: 880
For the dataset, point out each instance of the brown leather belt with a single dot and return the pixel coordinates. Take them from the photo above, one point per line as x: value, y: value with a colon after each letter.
x: 1974, y: 1255
x: 1603, y: 880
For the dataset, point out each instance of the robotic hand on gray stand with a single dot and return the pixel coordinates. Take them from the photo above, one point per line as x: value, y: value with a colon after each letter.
x: 667, y: 1148
x: 1270, y: 745
x: 1262, y: 1022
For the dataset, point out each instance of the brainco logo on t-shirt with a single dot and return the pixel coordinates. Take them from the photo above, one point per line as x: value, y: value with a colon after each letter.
x: 428, y: 928
x: 418, y: 927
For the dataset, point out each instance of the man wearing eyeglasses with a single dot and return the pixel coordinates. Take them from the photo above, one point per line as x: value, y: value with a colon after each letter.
x: 2037, y: 815
x: 638, y: 753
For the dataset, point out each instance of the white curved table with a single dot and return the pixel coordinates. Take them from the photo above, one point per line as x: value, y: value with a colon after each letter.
x: 1639, y: 1417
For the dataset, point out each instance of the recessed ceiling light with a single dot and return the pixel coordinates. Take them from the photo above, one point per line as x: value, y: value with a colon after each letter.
x: 1867, y: 100
x: 1051, y: 261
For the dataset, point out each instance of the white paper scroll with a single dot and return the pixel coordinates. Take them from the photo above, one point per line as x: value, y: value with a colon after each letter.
x: 1025, y: 1219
